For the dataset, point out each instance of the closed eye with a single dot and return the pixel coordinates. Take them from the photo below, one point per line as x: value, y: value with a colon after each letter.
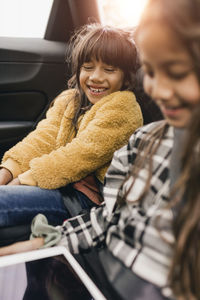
x: 109, y: 69
x: 87, y: 67
x: 148, y: 71
x: 178, y: 76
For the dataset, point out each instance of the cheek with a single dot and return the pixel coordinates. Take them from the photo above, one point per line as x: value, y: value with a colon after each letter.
x: 81, y: 79
x: 117, y: 82
x: 190, y: 91
x: 121, y: 81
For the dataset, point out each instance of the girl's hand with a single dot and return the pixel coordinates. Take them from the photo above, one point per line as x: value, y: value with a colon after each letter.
x: 14, y: 182
x: 22, y: 246
x: 5, y: 176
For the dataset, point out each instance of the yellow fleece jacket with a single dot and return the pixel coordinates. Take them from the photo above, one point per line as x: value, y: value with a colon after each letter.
x: 52, y: 155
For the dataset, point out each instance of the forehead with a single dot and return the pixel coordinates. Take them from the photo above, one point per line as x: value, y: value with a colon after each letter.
x: 158, y: 43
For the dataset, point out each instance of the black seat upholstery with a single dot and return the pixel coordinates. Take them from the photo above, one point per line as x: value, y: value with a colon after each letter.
x: 150, y: 110
x: 9, y: 235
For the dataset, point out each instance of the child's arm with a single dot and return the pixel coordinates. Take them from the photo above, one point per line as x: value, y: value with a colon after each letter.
x: 77, y: 234
x: 22, y: 246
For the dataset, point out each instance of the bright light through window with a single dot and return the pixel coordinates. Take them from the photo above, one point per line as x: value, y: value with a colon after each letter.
x: 121, y: 13
x: 24, y: 18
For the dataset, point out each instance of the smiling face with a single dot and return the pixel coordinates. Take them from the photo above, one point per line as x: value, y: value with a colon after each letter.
x: 169, y: 76
x: 98, y: 79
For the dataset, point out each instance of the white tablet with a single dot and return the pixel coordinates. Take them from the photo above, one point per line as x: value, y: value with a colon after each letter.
x: 13, y: 277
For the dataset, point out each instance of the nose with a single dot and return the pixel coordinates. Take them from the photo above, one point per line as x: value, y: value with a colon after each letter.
x: 96, y: 75
x: 161, y: 89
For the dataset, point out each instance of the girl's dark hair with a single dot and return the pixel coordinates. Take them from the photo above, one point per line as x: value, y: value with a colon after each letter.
x: 183, y: 17
x: 111, y: 45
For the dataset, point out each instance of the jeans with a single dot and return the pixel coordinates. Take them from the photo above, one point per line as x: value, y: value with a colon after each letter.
x: 19, y: 204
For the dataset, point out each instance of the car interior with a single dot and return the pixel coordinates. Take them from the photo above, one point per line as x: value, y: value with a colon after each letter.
x: 33, y: 71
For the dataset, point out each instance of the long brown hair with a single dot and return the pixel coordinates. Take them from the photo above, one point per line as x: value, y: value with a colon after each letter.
x: 185, y: 271
x: 183, y: 17
x: 111, y: 45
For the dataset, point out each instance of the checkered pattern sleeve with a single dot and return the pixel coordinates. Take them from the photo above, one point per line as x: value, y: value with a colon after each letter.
x: 89, y: 230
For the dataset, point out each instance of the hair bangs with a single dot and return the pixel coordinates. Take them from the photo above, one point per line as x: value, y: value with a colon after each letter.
x: 108, y: 47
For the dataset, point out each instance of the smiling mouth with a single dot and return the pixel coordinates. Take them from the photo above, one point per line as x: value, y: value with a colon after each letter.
x: 97, y: 90
x: 178, y: 107
x: 172, y: 111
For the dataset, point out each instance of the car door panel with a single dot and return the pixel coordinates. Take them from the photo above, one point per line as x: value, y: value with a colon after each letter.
x: 32, y: 73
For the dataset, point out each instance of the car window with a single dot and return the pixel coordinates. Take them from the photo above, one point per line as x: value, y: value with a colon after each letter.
x: 24, y: 18
x: 121, y: 13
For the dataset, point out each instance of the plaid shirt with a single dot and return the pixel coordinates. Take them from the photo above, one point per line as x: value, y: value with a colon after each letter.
x: 130, y: 232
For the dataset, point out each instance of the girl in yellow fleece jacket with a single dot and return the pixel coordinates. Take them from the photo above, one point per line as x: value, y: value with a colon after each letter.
x: 59, y: 168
